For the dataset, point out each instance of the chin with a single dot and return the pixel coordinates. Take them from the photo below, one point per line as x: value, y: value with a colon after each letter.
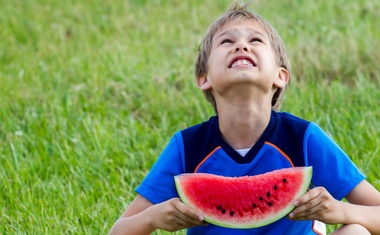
x: 246, y: 76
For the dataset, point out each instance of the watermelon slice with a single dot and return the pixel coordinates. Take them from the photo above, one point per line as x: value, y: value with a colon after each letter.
x: 247, y: 201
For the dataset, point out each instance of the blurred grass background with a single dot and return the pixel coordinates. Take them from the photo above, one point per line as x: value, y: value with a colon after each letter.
x: 91, y: 91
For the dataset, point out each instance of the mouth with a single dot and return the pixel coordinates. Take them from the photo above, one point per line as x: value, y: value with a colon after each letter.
x: 242, y: 61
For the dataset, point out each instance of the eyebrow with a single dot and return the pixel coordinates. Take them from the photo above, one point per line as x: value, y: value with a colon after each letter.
x: 231, y: 31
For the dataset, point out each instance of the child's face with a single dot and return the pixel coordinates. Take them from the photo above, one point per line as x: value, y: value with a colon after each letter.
x: 242, y: 54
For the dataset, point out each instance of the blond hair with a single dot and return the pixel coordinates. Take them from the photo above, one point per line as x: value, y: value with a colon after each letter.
x: 238, y: 11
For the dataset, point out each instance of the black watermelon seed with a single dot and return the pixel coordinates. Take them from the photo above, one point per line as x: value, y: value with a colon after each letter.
x: 260, y: 198
x: 219, y: 207
x: 284, y: 180
x: 270, y: 204
x: 254, y: 205
x: 223, y: 211
x: 275, y: 187
x: 268, y: 194
x: 232, y: 213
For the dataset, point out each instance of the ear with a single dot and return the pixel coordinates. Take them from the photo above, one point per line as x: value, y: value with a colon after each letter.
x: 203, y: 82
x: 282, y: 78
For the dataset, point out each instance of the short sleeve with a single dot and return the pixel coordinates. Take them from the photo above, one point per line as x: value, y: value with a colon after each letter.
x: 158, y: 185
x: 332, y: 168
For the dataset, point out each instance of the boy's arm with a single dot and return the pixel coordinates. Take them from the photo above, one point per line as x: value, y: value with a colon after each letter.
x: 142, y: 217
x: 135, y: 219
x: 363, y: 209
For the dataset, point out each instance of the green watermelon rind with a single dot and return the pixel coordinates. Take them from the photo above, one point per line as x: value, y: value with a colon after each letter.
x: 308, y: 172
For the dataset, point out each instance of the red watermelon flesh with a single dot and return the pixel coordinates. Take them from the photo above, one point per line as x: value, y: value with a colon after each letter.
x: 247, y: 201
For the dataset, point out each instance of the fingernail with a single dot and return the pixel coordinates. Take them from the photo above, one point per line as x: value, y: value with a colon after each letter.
x: 296, y: 203
x: 291, y: 215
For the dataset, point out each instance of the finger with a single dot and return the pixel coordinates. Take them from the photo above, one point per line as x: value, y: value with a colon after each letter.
x: 187, y: 211
x: 307, y: 205
x: 305, y: 213
x: 310, y: 195
x: 187, y: 215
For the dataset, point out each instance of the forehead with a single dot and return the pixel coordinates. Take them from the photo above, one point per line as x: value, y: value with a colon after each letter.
x: 247, y: 26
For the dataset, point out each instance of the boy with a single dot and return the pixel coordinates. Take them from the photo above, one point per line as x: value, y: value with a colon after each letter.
x: 243, y: 69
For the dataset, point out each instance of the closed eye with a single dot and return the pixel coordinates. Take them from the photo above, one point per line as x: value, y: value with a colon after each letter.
x: 226, y: 40
x: 256, y: 40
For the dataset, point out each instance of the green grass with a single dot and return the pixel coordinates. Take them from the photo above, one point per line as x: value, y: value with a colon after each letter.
x: 91, y: 91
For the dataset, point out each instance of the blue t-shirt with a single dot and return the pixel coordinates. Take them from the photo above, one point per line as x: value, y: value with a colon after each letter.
x: 288, y: 141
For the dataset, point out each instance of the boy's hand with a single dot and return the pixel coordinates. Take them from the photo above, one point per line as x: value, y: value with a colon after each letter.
x: 318, y: 204
x: 173, y: 215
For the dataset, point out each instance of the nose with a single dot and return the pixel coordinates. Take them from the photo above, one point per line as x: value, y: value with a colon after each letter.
x: 241, y: 47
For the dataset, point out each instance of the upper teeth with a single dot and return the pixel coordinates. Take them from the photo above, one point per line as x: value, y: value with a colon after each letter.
x: 241, y: 62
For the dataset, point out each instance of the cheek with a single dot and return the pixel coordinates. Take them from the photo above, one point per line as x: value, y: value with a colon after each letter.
x: 214, y: 63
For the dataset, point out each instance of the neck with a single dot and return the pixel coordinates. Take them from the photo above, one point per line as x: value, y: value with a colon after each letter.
x: 242, y: 127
